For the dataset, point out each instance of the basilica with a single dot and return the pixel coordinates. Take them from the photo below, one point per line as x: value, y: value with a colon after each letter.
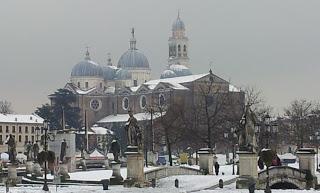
x: 105, y: 92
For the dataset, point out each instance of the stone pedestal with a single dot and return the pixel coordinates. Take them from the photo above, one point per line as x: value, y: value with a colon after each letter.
x: 307, y: 159
x: 135, y: 166
x: 107, y: 164
x: 37, y: 170
x: 29, y: 167
x: 152, y: 158
x: 116, y: 178
x: 12, y: 175
x: 248, y: 172
x: 206, y: 160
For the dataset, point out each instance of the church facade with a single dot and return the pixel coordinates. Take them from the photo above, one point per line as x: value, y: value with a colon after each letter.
x: 105, y: 93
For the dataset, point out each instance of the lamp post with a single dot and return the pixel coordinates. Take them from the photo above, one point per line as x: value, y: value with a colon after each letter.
x: 46, y: 138
x: 234, y: 136
x: 226, y: 137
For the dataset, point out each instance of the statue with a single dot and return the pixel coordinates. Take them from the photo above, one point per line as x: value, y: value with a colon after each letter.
x: 35, y: 150
x: 63, y: 150
x: 115, y: 149
x: 134, y: 133
x: 246, y: 134
x: 28, y: 150
x: 11, y: 149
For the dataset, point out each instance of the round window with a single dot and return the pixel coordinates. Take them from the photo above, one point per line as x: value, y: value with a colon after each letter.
x: 143, y: 101
x: 161, y: 100
x: 95, y: 104
x: 125, y: 103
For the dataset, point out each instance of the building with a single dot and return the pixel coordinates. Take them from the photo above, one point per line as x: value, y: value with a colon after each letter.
x: 24, y: 128
x: 105, y: 93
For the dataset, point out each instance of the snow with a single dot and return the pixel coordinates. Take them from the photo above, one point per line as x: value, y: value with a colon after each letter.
x: 232, y: 88
x: 179, y: 80
x: 125, y: 117
x: 18, y: 118
x: 101, y: 130
x: 84, y: 92
x: 287, y: 156
x: 96, y: 154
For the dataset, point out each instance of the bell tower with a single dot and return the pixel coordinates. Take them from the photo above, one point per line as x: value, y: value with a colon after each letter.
x: 178, y: 44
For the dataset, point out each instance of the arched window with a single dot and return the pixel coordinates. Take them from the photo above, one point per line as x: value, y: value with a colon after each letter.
x: 143, y: 102
x: 179, y: 48
x: 125, y: 103
x: 162, y: 100
x: 184, y: 48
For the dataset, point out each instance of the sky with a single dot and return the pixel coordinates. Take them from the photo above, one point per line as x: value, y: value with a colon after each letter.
x: 272, y: 45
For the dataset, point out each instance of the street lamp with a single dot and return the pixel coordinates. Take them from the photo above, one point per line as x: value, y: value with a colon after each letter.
x: 234, y: 136
x: 46, y: 138
x: 316, y: 138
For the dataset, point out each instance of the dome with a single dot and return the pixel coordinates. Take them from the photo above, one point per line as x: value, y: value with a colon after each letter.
x: 87, y: 68
x: 178, y: 24
x: 123, y: 74
x: 180, y: 70
x: 133, y: 59
x: 109, y: 72
x: 168, y: 74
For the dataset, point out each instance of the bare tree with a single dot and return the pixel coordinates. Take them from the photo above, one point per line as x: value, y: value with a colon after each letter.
x: 298, y: 112
x: 5, y: 107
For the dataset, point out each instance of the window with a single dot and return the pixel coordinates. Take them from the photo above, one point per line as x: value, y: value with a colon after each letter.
x: 32, y: 129
x: 184, y: 48
x: 26, y: 130
x: 19, y: 138
x: 41, y: 130
x: 1, y: 139
x: 161, y: 100
x: 87, y: 84
x: 95, y: 104
x: 20, y: 130
x: 112, y: 107
x: 0, y: 129
x: 143, y: 102
x: 125, y: 103
x: 135, y: 82
x: 7, y: 129
x: 13, y: 129
x: 26, y: 139
x: 32, y: 139
x: 179, y: 48
x: 79, y: 84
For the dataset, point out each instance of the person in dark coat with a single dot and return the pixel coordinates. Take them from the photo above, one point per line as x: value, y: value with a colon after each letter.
x: 216, y: 168
x: 115, y: 149
x: 260, y: 164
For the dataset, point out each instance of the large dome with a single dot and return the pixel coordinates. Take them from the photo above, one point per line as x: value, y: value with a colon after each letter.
x: 178, y: 24
x: 87, y: 68
x: 133, y: 59
x: 180, y: 70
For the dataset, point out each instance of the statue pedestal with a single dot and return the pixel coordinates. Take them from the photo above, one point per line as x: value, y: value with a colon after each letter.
x: 248, y: 172
x: 206, y: 160
x: 116, y: 178
x: 135, y: 166
x: 29, y: 167
x: 307, y: 159
x: 12, y: 175
x: 37, y: 170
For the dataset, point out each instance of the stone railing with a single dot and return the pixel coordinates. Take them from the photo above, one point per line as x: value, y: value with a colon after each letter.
x: 167, y: 171
x: 282, y: 174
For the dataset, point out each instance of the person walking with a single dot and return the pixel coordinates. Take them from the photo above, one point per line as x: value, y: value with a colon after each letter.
x: 216, y: 168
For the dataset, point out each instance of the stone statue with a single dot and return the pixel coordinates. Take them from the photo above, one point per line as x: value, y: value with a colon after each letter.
x: 11, y: 149
x: 246, y: 133
x: 35, y: 150
x: 28, y: 150
x: 63, y: 150
x: 134, y: 133
x: 115, y: 149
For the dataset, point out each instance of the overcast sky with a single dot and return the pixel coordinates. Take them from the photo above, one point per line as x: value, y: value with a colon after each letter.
x: 272, y: 44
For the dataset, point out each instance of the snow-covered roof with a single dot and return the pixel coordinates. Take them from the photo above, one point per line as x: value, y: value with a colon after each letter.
x: 79, y: 91
x: 96, y: 154
x: 178, y: 80
x: 125, y: 117
x: 232, y: 88
x: 16, y: 118
x: 101, y: 130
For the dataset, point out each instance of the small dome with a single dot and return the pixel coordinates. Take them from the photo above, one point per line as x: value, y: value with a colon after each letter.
x: 87, y: 68
x: 109, y: 72
x: 133, y: 59
x: 180, y: 70
x: 167, y: 74
x: 123, y: 74
x: 178, y: 24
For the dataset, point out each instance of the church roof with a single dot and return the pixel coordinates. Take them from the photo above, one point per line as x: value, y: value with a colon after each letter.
x: 125, y: 117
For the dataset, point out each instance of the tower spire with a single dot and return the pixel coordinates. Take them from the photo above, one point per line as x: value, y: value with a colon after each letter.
x: 133, y: 41
x: 87, y: 54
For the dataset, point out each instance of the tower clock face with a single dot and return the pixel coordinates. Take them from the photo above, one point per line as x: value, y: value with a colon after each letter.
x: 95, y: 104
